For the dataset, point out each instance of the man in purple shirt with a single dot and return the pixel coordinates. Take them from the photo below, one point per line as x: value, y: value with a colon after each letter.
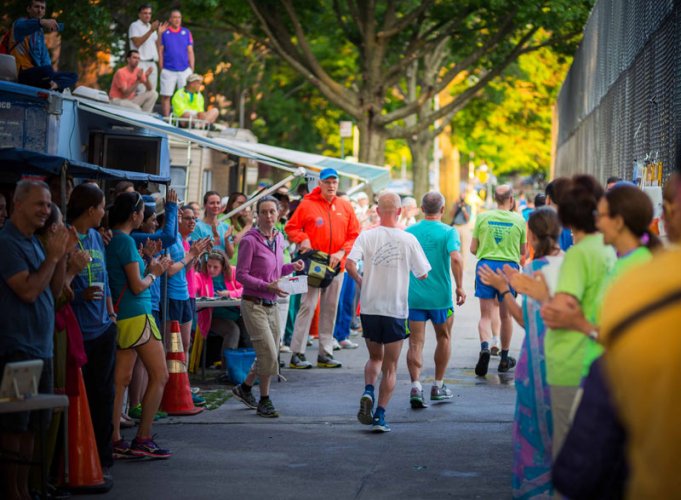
x: 259, y: 267
x: 176, y: 57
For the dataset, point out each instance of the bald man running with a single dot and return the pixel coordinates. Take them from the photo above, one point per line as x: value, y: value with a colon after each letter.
x: 389, y: 255
x: 499, y: 238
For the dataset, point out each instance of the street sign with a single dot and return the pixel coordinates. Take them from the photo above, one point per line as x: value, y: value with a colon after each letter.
x: 345, y: 129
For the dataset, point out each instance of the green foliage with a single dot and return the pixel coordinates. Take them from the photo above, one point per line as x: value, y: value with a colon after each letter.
x: 509, y: 125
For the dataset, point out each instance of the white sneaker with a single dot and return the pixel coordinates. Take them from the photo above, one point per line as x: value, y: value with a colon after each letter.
x: 284, y: 348
x: 348, y: 344
x: 336, y: 345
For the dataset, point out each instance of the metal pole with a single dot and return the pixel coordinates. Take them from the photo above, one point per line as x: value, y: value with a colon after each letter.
x: 62, y: 187
x: 342, y: 141
x: 300, y: 172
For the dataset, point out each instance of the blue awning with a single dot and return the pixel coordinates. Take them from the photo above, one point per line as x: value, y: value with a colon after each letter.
x: 144, y: 120
x: 376, y: 177
x: 22, y: 161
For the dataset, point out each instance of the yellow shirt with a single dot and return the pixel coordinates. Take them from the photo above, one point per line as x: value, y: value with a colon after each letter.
x: 642, y: 363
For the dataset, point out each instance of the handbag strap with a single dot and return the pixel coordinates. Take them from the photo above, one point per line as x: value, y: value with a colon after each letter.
x: 662, y: 303
x: 118, y: 301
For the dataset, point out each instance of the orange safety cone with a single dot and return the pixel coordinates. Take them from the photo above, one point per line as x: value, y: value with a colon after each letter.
x: 85, y: 469
x: 177, y: 396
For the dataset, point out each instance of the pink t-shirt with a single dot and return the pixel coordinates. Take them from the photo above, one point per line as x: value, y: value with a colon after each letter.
x: 123, y: 79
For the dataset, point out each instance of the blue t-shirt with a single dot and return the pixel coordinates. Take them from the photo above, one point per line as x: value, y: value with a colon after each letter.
x: 175, y: 43
x: 177, y: 283
x: 93, y: 316
x: 24, y: 327
x: 565, y: 240
x: 202, y: 230
x: 438, y: 240
x: 120, y: 252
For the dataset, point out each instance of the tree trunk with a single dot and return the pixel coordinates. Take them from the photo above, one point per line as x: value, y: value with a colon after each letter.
x: 371, y: 142
x: 421, y: 149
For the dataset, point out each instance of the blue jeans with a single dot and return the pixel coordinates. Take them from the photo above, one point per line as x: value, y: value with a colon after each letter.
x: 346, y: 304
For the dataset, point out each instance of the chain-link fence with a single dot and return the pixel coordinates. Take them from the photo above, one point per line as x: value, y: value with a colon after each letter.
x: 619, y: 104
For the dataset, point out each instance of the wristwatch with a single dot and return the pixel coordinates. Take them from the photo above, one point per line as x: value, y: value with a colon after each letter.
x: 153, y: 277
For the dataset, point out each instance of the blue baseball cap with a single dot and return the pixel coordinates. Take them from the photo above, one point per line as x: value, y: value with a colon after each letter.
x: 327, y: 173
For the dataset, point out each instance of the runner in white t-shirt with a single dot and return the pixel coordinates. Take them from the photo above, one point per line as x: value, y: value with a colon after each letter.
x: 389, y: 255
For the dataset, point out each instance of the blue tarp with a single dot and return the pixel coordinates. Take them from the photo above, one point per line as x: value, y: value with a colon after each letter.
x: 22, y: 161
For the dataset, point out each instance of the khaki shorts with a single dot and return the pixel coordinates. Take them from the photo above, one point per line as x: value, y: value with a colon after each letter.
x: 262, y: 324
x: 136, y: 331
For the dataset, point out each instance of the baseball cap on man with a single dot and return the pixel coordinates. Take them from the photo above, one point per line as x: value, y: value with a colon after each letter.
x: 194, y: 78
x: 327, y: 173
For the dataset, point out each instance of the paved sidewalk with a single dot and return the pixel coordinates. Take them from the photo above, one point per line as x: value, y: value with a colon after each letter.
x: 317, y: 449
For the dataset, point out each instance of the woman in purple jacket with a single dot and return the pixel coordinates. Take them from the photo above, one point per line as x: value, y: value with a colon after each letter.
x: 260, y: 265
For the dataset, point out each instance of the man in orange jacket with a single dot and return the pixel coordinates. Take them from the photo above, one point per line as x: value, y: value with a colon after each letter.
x: 326, y: 223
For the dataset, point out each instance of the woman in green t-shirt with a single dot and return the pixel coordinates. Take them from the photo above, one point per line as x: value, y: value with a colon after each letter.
x: 569, y: 352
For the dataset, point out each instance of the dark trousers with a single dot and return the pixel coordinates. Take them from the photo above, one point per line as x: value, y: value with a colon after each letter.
x: 98, y: 374
x: 41, y: 76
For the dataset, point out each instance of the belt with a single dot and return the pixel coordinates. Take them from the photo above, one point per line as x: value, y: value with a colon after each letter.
x: 148, y: 60
x: 259, y: 301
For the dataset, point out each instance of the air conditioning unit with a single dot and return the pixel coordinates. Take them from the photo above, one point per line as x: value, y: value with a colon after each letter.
x: 92, y: 94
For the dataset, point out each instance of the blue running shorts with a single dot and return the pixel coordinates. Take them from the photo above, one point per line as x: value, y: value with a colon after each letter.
x: 437, y: 316
x: 483, y: 291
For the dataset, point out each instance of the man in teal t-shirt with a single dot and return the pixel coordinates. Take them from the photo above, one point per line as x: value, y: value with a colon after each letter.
x: 431, y: 299
x: 499, y: 238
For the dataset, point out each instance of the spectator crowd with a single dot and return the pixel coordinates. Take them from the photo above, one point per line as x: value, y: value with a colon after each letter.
x: 581, y: 269
x: 103, y: 261
x: 158, y: 52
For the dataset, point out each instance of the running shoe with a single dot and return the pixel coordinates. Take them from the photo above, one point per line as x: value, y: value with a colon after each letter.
x: 494, y: 350
x: 440, y: 393
x: 327, y: 361
x: 416, y: 399
x: 198, y: 400
x: 380, y: 425
x: 284, y: 348
x: 266, y: 409
x: 336, y: 345
x: 122, y: 451
x: 506, y: 364
x: 246, y: 398
x: 348, y: 344
x: 483, y: 363
x: 148, y: 448
x: 298, y: 361
x: 366, y: 409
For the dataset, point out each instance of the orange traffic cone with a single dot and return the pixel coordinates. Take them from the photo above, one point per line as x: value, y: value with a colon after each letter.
x: 177, y: 396
x: 85, y: 469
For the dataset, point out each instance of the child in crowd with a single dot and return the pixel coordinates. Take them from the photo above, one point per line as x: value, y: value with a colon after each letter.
x: 223, y: 283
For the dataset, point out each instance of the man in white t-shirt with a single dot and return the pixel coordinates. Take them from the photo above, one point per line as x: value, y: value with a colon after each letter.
x: 389, y: 255
x: 143, y: 35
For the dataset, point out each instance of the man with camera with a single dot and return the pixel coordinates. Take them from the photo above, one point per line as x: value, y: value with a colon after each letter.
x: 327, y: 224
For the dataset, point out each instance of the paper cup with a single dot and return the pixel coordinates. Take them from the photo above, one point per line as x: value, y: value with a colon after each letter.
x: 100, y: 285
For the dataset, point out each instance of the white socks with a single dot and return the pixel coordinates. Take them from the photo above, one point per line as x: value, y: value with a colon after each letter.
x: 439, y: 383
x: 416, y: 385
